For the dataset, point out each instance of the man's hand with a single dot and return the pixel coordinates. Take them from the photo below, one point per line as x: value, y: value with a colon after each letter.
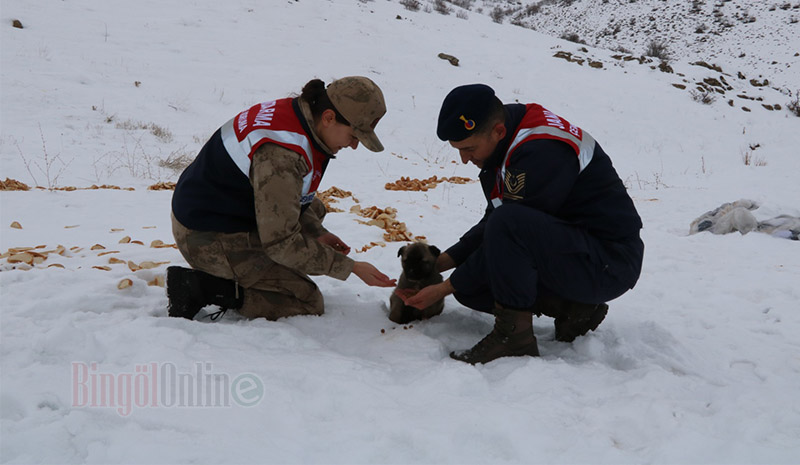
x: 333, y: 241
x: 371, y: 276
x: 426, y: 296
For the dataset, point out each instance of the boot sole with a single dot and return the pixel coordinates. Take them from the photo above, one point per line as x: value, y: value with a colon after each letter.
x: 530, y: 351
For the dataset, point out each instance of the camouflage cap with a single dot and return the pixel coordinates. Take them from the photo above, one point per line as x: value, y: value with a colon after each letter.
x: 361, y: 103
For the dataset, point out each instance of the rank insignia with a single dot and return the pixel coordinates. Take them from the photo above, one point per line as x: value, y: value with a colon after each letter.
x: 514, y: 185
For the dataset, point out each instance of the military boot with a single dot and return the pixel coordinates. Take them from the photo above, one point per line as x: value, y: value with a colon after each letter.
x: 512, y: 336
x: 579, y: 320
x: 190, y: 290
x: 572, y: 319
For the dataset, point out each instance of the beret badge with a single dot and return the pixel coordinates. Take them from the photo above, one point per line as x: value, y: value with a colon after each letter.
x: 468, y: 123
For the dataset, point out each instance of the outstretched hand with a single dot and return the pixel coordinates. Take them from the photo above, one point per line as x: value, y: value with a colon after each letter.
x: 371, y: 276
x: 332, y: 240
x: 426, y: 296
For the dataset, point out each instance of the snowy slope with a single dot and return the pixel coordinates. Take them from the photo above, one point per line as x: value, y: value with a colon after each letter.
x: 699, y: 363
x: 760, y: 38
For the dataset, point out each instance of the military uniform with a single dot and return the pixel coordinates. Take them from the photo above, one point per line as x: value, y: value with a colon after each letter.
x: 560, y: 235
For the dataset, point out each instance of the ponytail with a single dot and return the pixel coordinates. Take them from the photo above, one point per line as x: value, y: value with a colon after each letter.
x: 317, y: 98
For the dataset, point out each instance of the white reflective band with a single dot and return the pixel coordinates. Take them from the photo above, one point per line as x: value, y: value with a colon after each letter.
x: 585, y: 148
x: 240, y: 151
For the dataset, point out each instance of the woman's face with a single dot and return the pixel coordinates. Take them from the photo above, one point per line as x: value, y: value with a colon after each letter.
x: 334, y: 134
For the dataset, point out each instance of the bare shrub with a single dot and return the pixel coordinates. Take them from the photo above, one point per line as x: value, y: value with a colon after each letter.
x: 52, y: 167
x: 462, y: 14
x: 411, y: 5
x: 794, y: 104
x: 465, y: 4
x: 497, y: 15
x: 161, y: 133
x: 706, y: 98
x: 749, y: 160
x: 573, y: 37
x: 440, y: 6
x: 657, y: 49
x: 177, y: 161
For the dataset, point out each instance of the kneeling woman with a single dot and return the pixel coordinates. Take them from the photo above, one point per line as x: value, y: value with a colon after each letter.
x: 244, y: 213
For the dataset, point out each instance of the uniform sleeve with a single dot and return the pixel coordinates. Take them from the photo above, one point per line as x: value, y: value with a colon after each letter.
x: 311, y: 219
x: 544, y: 172
x: 277, y: 178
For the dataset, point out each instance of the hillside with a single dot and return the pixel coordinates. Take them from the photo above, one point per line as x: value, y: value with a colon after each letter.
x: 697, y: 364
x: 760, y: 37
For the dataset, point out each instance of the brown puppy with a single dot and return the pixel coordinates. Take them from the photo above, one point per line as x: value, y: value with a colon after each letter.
x: 419, y: 270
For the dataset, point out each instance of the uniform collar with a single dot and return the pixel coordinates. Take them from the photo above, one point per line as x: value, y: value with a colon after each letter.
x: 307, y: 121
x: 513, y: 116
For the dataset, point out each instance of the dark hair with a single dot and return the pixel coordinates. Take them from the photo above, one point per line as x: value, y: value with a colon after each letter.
x: 496, y: 114
x: 317, y: 98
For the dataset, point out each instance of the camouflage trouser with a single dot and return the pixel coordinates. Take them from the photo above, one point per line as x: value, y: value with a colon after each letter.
x: 271, y: 290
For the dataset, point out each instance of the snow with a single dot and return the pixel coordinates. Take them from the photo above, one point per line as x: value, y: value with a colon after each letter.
x: 698, y: 364
x: 759, y: 38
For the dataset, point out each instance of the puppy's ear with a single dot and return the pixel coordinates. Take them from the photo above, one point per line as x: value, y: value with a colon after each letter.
x: 434, y: 250
x: 401, y: 250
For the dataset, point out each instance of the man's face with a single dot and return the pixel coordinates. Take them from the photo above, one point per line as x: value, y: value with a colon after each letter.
x: 478, y: 148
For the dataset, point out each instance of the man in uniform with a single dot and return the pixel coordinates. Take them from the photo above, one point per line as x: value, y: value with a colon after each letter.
x: 560, y: 235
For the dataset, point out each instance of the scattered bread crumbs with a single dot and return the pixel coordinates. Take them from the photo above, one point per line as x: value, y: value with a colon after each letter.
x: 370, y: 245
x: 16, y: 225
x: 386, y: 220
x: 13, y: 185
x: 331, y: 195
x: 408, y: 184
x: 162, y: 186
x: 125, y: 283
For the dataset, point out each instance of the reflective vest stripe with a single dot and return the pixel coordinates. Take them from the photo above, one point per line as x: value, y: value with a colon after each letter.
x: 584, y: 148
x: 241, y: 152
x: 583, y: 144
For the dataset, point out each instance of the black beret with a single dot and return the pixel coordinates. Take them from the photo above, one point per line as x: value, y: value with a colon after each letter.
x: 464, y: 111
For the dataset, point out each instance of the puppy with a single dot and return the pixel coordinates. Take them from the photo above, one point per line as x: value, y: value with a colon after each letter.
x: 419, y: 270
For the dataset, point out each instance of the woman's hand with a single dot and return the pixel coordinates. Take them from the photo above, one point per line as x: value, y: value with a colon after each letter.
x: 371, y: 276
x: 426, y: 296
x: 332, y: 240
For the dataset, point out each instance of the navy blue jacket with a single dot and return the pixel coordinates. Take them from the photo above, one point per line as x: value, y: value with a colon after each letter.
x: 594, y: 199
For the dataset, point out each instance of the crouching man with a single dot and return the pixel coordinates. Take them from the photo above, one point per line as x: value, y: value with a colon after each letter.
x: 245, y: 216
x: 560, y: 235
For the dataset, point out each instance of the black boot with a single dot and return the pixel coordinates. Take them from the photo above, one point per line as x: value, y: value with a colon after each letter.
x: 573, y: 319
x: 190, y: 290
x: 512, y: 336
x: 580, y: 320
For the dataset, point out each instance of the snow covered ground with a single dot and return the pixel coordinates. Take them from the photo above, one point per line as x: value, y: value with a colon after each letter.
x: 759, y: 38
x: 700, y: 363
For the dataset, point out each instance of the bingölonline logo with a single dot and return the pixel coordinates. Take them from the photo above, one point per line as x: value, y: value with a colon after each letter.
x: 161, y: 384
